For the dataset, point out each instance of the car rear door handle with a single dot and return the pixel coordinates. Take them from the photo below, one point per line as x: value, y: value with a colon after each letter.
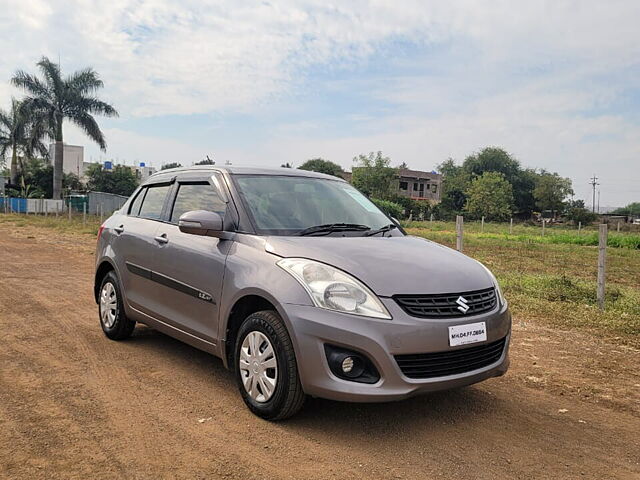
x: 119, y: 229
x: 162, y: 238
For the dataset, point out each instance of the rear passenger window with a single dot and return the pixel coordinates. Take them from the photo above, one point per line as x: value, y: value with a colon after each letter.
x: 135, y: 205
x: 197, y: 196
x: 153, y: 202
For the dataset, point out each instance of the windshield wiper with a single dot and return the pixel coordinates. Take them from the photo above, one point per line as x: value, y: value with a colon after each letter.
x: 333, y: 227
x: 382, y: 230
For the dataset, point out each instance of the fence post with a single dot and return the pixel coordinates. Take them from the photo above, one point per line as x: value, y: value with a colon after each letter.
x: 57, y: 208
x: 84, y: 213
x: 618, y: 228
x: 101, y: 214
x: 579, y: 227
x: 602, y: 263
x: 459, y: 232
x: 69, y: 208
x: 482, y: 225
x: 543, y: 222
x: 431, y: 220
x: 511, y: 226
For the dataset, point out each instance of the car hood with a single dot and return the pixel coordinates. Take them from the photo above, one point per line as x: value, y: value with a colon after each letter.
x: 390, y: 265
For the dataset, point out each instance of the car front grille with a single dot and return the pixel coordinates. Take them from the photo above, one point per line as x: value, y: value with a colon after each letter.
x: 447, y: 305
x: 451, y: 362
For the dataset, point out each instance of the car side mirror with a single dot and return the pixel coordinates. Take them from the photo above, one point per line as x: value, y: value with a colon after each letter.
x: 201, y: 222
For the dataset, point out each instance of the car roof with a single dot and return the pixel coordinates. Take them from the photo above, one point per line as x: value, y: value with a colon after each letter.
x: 236, y: 170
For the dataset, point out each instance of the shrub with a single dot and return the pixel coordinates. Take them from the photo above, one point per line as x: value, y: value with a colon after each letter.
x: 390, y: 208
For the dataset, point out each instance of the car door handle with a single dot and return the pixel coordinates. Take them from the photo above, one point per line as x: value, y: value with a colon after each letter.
x: 119, y: 229
x: 162, y: 238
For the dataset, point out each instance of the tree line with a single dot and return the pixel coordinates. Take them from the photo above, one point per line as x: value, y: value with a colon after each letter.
x: 490, y: 183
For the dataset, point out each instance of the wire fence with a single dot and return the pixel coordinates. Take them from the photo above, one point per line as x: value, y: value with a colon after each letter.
x: 596, y: 264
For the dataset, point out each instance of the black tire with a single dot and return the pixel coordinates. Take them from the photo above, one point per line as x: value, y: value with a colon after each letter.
x: 288, y: 397
x: 122, y: 327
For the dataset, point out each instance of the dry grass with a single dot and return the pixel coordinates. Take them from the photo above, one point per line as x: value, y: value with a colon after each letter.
x: 556, y: 283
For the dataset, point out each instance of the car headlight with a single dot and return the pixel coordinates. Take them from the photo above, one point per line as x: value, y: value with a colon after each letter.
x: 334, y: 289
x: 503, y: 301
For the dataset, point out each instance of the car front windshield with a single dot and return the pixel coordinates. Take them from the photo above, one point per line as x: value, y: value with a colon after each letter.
x: 286, y: 205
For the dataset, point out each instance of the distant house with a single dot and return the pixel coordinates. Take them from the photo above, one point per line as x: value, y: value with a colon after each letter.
x: 415, y: 184
x: 419, y: 185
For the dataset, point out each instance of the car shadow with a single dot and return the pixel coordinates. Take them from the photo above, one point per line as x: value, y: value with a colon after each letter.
x: 341, y: 419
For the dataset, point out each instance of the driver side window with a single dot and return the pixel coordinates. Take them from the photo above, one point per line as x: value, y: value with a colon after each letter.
x: 197, y: 196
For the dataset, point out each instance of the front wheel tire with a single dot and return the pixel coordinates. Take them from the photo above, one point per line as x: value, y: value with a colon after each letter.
x: 265, y: 367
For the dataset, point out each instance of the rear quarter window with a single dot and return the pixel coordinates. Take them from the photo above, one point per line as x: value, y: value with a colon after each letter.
x: 154, y: 201
x: 134, y: 209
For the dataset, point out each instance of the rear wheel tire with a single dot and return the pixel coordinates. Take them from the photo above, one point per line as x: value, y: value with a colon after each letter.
x: 265, y: 367
x: 113, y: 320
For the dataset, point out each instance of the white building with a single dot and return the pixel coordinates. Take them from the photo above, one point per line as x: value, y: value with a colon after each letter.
x: 72, y: 159
x: 143, y: 172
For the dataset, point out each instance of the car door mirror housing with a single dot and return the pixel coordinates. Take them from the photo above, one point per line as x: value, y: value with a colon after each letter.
x: 201, y: 222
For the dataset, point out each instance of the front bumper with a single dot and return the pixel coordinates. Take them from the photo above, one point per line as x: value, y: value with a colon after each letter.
x: 380, y: 340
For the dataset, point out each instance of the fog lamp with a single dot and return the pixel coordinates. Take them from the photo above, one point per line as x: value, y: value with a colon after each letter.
x: 347, y: 364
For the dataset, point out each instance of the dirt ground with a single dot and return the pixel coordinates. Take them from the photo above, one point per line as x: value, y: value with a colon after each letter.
x: 76, y: 405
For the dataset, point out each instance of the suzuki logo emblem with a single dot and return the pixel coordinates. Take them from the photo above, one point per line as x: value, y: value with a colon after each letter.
x: 462, y: 302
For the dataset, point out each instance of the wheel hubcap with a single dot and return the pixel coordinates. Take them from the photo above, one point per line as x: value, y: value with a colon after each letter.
x: 108, y: 305
x: 258, y: 366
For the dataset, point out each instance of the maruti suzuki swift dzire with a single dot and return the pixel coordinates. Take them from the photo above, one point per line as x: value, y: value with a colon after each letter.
x: 301, y: 285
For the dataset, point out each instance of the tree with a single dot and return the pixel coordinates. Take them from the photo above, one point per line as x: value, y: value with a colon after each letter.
x: 495, y: 159
x: 373, y: 175
x: 322, y: 166
x: 631, y: 209
x: 206, y: 161
x: 167, y: 166
x: 551, y: 191
x: 490, y: 195
x: 121, y: 180
x: 455, y: 182
x: 22, y: 133
x: 36, y: 178
x: 54, y: 99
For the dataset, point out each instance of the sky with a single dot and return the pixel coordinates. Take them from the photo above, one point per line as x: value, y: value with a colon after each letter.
x: 554, y: 83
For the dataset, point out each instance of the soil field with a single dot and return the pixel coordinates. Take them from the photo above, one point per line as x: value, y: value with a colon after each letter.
x: 75, y: 405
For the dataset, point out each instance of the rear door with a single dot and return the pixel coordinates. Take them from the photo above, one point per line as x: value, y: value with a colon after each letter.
x: 136, y: 246
x: 190, y: 268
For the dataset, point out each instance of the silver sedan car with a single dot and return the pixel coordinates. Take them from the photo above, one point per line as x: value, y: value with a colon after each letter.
x: 301, y: 285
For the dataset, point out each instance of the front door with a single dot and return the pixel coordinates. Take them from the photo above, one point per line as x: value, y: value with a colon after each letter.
x: 189, y: 269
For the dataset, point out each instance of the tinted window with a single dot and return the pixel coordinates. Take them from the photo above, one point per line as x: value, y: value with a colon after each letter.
x: 135, y: 205
x: 153, y: 202
x: 201, y: 196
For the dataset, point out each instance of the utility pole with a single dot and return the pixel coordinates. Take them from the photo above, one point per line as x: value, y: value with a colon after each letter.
x: 593, y: 183
x: 598, y: 200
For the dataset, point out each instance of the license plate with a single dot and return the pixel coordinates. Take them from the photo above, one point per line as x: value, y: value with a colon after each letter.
x: 469, y: 333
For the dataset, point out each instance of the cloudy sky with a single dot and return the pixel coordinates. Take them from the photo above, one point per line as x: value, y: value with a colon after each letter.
x: 261, y: 83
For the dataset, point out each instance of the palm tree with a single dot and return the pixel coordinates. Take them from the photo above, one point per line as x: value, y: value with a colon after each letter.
x: 22, y: 133
x: 74, y: 98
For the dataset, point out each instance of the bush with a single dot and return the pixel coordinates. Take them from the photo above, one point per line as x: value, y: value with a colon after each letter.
x: 580, y: 214
x: 390, y: 208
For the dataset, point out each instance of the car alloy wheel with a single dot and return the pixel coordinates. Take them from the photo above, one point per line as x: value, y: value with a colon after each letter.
x: 108, y: 305
x: 258, y: 366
